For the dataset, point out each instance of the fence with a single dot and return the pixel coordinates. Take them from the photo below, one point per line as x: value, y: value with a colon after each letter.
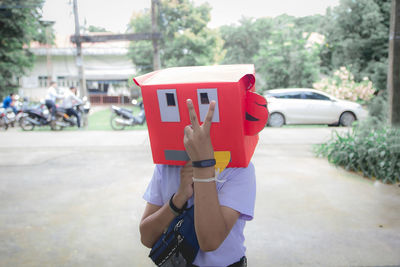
x: 106, y: 99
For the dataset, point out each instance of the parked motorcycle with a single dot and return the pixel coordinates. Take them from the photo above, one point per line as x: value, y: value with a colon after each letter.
x: 63, y: 119
x: 3, y: 119
x: 122, y: 117
x: 7, y: 116
x: 37, y: 116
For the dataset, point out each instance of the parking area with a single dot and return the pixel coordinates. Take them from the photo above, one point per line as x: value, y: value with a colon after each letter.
x: 74, y: 198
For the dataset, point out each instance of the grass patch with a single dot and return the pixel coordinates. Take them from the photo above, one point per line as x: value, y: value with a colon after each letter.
x: 100, y: 120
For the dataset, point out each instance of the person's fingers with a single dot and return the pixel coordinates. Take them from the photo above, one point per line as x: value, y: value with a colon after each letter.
x: 192, y: 114
x: 188, y: 130
x: 210, y: 113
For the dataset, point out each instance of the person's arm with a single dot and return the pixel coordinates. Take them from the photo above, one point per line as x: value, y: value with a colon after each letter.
x: 58, y: 95
x: 77, y: 99
x: 212, y: 221
x: 156, y: 219
x: 52, y: 93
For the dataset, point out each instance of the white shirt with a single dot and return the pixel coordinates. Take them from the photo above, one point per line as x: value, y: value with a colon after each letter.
x: 52, y: 94
x: 70, y: 99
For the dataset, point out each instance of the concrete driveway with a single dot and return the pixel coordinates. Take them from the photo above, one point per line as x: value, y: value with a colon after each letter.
x: 74, y: 199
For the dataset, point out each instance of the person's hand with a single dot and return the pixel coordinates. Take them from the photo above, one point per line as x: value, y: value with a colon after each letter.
x: 185, y: 190
x: 197, y: 139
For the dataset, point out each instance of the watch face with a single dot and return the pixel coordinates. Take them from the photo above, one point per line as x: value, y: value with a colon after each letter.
x: 207, y: 163
x: 204, y: 163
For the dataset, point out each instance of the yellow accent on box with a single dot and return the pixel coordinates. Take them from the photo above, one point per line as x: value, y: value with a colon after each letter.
x: 222, y: 159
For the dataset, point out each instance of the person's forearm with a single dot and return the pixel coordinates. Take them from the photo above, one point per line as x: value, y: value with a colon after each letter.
x: 154, y: 225
x: 77, y: 99
x: 211, y: 229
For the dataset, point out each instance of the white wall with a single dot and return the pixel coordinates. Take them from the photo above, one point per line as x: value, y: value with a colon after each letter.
x: 97, y: 67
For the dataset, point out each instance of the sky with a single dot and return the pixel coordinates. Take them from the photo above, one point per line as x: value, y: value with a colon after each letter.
x: 114, y: 15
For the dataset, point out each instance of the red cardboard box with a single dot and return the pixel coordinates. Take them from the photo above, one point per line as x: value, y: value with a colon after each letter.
x: 239, y: 115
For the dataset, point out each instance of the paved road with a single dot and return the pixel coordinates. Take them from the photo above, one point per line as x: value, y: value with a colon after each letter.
x: 74, y: 199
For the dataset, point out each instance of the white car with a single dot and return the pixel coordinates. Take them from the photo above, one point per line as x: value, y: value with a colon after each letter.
x: 309, y: 106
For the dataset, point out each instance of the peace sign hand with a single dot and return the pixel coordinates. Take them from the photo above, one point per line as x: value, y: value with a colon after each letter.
x: 197, y: 139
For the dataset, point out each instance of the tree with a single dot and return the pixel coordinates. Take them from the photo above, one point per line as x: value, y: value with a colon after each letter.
x: 19, y: 25
x: 278, y: 47
x: 242, y: 42
x: 186, y: 40
x: 287, y: 59
x: 357, y: 37
x: 314, y: 23
x: 93, y: 28
x: 141, y: 52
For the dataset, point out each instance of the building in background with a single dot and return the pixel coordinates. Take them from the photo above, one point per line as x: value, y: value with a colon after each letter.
x: 107, y: 68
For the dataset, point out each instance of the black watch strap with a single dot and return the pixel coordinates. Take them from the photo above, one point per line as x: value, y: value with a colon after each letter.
x: 174, y: 209
x: 204, y: 163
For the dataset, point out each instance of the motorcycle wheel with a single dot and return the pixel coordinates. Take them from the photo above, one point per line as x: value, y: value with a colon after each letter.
x: 26, y: 125
x: 55, y: 126
x: 84, y: 119
x: 3, y: 124
x: 114, y: 124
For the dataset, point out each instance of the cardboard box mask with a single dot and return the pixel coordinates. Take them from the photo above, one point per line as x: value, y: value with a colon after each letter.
x: 239, y: 115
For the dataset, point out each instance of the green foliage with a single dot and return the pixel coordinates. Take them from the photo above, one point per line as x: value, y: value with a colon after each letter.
x: 93, y: 28
x: 286, y: 59
x: 141, y: 52
x: 19, y: 25
x: 279, y: 47
x: 242, y: 42
x: 357, y: 37
x: 186, y: 40
x: 283, y: 49
x: 314, y: 23
x: 378, y: 107
x: 371, y: 148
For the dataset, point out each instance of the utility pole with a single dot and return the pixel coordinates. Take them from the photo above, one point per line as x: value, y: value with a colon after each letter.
x: 48, y: 25
x: 48, y: 58
x: 79, y: 57
x: 394, y: 64
x: 154, y: 29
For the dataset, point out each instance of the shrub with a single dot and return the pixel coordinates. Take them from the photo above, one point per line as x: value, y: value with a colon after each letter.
x: 378, y: 107
x: 371, y: 148
x: 343, y: 86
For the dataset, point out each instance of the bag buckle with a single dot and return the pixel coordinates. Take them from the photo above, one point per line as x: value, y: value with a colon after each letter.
x: 178, y: 225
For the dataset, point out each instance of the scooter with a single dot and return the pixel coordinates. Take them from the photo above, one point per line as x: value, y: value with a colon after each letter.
x: 122, y: 117
x: 3, y: 119
x: 63, y: 119
x: 7, y: 116
x: 37, y: 116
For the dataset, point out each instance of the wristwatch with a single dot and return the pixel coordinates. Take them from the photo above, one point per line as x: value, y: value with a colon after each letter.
x: 204, y: 163
x: 174, y: 209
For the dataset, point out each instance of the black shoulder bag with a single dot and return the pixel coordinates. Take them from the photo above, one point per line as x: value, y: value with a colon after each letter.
x: 178, y: 245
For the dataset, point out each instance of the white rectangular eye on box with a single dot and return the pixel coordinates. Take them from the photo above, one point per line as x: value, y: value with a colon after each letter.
x: 168, y: 104
x: 204, y: 97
